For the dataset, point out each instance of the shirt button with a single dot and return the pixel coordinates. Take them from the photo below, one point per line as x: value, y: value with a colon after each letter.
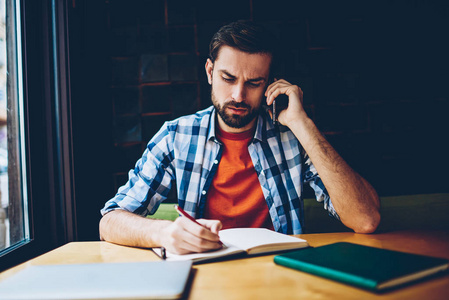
x: 203, y: 192
x: 216, y: 161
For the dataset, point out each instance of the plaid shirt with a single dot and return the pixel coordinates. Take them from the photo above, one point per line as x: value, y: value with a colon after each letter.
x: 186, y: 151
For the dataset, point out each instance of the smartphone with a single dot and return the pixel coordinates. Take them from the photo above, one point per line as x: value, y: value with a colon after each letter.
x: 279, y: 104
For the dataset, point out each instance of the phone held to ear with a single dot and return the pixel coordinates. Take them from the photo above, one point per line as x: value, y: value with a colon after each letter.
x: 279, y: 104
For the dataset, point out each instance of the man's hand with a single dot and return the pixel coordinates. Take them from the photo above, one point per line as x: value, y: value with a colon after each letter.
x: 181, y: 236
x: 354, y: 199
x: 295, y: 107
x: 184, y: 236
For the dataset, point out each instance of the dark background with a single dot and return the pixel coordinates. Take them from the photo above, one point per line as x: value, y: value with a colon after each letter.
x: 374, y: 76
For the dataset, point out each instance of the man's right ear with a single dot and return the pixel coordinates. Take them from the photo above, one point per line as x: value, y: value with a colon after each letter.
x: 209, y: 69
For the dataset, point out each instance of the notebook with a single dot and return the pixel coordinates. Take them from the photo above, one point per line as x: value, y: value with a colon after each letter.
x: 141, y: 280
x: 242, y: 242
x: 366, y: 267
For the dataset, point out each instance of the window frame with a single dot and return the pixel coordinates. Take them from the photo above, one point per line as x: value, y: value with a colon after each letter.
x: 47, y: 128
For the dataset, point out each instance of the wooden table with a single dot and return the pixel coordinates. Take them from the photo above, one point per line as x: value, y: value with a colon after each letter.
x: 260, y: 278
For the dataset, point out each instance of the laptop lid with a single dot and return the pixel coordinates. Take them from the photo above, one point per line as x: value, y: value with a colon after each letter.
x: 136, y: 280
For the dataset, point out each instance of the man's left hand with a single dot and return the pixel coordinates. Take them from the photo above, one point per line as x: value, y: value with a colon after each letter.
x: 295, y: 107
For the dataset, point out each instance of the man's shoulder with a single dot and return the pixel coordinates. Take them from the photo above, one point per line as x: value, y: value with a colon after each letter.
x: 271, y: 132
x: 190, y: 125
x: 180, y: 130
x: 192, y: 120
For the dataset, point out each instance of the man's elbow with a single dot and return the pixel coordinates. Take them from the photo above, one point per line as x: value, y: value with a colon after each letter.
x: 105, y: 224
x: 101, y: 228
x: 369, y: 225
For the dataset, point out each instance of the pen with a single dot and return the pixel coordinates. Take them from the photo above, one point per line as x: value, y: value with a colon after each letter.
x: 184, y: 214
x: 274, y: 112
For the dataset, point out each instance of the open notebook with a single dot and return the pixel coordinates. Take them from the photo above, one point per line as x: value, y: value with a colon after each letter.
x: 243, y: 241
x: 141, y: 280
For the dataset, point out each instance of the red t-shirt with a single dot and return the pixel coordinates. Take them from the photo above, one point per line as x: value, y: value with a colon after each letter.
x: 235, y: 196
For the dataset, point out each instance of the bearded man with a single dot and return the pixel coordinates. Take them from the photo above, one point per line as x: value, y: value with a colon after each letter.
x: 232, y: 165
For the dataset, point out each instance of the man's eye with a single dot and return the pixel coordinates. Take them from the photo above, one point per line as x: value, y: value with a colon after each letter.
x: 253, y: 84
x: 227, y: 79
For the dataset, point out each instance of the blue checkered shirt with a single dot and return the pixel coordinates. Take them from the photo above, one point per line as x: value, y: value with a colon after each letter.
x: 185, y: 151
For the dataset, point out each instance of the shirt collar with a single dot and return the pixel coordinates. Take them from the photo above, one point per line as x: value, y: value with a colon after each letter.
x: 211, y: 133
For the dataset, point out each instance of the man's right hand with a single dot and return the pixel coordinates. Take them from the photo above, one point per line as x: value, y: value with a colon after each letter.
x: 180, y: 237
x: 184, y: 236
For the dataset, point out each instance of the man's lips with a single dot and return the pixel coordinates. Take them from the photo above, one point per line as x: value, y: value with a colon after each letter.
x: 237, y: 110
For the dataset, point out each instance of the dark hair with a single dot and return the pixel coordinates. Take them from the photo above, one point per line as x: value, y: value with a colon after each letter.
x: 246, y: 36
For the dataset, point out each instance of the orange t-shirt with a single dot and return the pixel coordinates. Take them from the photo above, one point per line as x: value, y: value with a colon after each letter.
x: 235, y: 196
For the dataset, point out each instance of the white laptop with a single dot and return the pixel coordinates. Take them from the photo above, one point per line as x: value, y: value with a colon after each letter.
x: 141, y: 280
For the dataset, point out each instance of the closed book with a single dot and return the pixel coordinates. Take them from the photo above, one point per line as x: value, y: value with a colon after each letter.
x: 366, y: 267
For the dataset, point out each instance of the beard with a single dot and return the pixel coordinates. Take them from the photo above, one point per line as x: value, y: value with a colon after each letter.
x: 233, y: 120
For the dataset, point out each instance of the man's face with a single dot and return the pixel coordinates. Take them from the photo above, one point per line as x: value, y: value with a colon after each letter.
x: 238, y: 82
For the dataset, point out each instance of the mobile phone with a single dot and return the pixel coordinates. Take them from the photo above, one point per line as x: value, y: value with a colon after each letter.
x: 279, y: 104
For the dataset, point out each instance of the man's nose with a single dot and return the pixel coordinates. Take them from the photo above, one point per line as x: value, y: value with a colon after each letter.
x: 238, y: 92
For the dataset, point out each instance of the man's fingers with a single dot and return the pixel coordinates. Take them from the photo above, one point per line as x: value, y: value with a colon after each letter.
x: 191, y: 243
x: 213, y: 225
x: 282, y: 87
x: 275, y: 89
x: 201, y: 231
x: 187, y: 236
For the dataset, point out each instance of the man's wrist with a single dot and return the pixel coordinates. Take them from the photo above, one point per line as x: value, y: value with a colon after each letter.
x: 300, y: 120
x: 155, y: 232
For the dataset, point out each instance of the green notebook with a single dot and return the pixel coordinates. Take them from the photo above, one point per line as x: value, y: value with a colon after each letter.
x: 370, y: 268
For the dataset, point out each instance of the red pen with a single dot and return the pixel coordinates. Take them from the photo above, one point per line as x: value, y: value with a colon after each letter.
x: 184, y: 214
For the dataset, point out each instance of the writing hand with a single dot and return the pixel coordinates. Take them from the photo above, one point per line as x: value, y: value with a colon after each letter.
x: 184, y: 236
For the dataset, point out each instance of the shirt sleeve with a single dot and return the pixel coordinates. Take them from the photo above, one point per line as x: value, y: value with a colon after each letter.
x: 311, y: 176
x: 150, y: 181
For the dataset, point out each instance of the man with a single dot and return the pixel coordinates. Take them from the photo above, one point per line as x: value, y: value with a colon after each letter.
x: 232, y: 166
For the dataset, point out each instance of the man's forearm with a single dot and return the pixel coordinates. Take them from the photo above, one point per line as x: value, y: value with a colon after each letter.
x: 354, y: 199
x: 125, y: 228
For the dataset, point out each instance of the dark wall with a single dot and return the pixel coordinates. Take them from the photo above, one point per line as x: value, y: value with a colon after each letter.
x: 374, y: 78
x: 91, y: 113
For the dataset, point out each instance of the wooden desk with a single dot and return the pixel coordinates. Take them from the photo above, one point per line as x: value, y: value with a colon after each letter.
x: 260, y: 278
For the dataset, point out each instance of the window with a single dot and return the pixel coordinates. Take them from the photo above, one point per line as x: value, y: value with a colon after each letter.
x: 14, y: 225
x: 36, y: 165
x: 4, y: 239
